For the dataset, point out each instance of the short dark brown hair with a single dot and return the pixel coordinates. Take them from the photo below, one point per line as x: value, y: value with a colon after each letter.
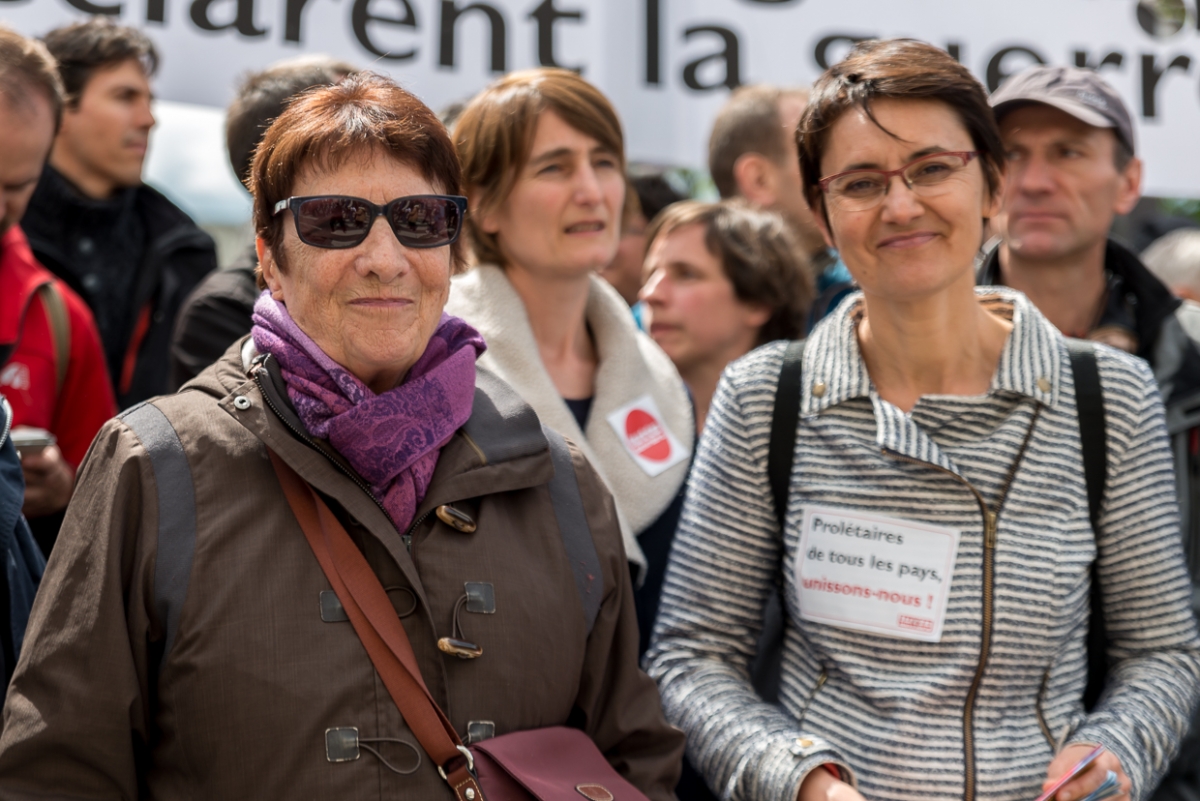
x: 82, y: 48
x: 325, y: 128
x: 749, y: 122
x: 262, y: 97
x: 758, y: 252
x: 898, y: 69
x: 495, y: 135
x: 26, y: 65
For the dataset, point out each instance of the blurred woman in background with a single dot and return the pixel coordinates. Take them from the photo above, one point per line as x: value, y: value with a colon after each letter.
x: 721, y: 279
x: 543, y: 160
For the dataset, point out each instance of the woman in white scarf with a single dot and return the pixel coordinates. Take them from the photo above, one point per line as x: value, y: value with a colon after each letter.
x: 543, y: 162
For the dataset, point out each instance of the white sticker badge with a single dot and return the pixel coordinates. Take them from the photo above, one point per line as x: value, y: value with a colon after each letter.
x: 872, y: 573
x: 646, y: 438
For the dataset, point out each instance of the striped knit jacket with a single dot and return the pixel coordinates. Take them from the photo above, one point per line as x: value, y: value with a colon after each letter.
x: 979, y: 714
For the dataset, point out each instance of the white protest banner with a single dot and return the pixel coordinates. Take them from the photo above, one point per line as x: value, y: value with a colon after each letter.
x: 873, y: 573
x: 669, y: 64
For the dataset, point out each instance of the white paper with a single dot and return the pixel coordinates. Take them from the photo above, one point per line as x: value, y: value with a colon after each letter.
x: 868, y: 572
x: 647, y: 440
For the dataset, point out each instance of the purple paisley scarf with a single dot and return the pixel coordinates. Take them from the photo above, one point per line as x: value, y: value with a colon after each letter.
x: 393, y: 439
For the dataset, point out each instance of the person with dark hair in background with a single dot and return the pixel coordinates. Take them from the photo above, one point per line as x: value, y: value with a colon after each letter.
x: 645, y: 197
x: 933, y: 536
x: 51, y: 362
x: 752, y: 155
x: 721, y: 279
x: 1071, y: 169
x: 130, y: 253
x: 218, y: 311
x: 654, y: 193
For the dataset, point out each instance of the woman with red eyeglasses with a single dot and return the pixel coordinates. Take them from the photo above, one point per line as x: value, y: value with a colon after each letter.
x: 268, y: 584
x: 933, y: 540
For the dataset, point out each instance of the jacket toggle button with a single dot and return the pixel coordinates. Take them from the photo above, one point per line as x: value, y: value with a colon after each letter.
x: 818, y: 389
x: 455, y: 519
x: 1043, y: 384
x: 460, y: 648
x: 241, y: 402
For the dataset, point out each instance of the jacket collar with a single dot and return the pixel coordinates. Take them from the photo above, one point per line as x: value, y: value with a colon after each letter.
x: 631, y: 367
x: 501, y: 447
x: 57, y: 208
x: 1148, y: 298
x: 1032, y: 357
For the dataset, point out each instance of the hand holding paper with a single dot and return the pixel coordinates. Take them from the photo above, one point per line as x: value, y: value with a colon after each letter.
x: 1101, y: 777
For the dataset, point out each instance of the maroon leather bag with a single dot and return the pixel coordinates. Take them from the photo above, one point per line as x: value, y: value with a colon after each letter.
x: 549, y: 764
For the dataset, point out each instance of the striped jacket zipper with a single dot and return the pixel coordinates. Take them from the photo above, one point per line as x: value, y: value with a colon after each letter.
x: 990, y: 518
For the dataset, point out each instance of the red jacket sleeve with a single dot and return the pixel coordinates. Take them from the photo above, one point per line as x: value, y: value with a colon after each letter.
x: 86, y: 400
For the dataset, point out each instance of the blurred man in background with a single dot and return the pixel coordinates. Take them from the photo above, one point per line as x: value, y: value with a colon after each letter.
x: 217, y: 313
x: 130, y: 253
x: 51, y: 363
x: 752, y: 154
x: 1175, y: 260
x: 1072, y: 167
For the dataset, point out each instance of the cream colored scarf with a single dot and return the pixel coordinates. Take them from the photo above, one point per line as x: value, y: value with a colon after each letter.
x: 631, y: 367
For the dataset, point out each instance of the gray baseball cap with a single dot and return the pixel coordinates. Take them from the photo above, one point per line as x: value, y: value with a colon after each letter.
x: 1079, y: 92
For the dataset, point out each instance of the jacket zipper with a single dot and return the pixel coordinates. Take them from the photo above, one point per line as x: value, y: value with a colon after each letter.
x: 304, y: 437
x: 990, y: 518
x: 812, y: 696
x: 1041, y: 715
x: 408, y: 535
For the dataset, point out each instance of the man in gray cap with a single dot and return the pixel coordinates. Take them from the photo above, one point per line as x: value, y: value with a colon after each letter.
x: 1072, y: 168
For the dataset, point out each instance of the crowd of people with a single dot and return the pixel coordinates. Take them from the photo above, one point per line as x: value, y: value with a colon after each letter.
x: 556, y: 475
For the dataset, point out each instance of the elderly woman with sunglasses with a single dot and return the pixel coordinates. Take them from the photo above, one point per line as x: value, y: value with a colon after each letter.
x: 936, y: 555
x: 194, y: 637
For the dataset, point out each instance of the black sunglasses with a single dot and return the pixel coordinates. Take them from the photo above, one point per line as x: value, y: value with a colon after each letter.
x: 340, y: 221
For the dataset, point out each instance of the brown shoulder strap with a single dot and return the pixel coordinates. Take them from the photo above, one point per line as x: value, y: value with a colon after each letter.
x: 60, y: 329
x: 379, y: 627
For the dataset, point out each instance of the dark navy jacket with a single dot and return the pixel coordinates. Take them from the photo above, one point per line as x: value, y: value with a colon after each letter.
x: 23, y: 561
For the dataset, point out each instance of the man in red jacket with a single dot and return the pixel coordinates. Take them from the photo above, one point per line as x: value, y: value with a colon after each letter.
x: 52, y: 368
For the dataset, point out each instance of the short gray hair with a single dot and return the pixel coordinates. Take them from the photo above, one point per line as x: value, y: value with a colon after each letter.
x: 1175, y: 259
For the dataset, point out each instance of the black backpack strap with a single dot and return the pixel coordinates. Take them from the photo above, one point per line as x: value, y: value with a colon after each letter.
x: 176, y: 498
x: 1093, y: 438
x: 573, y: 526
x: 1092, y: 433
x: 766, y: 669
x: 784, y: 420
